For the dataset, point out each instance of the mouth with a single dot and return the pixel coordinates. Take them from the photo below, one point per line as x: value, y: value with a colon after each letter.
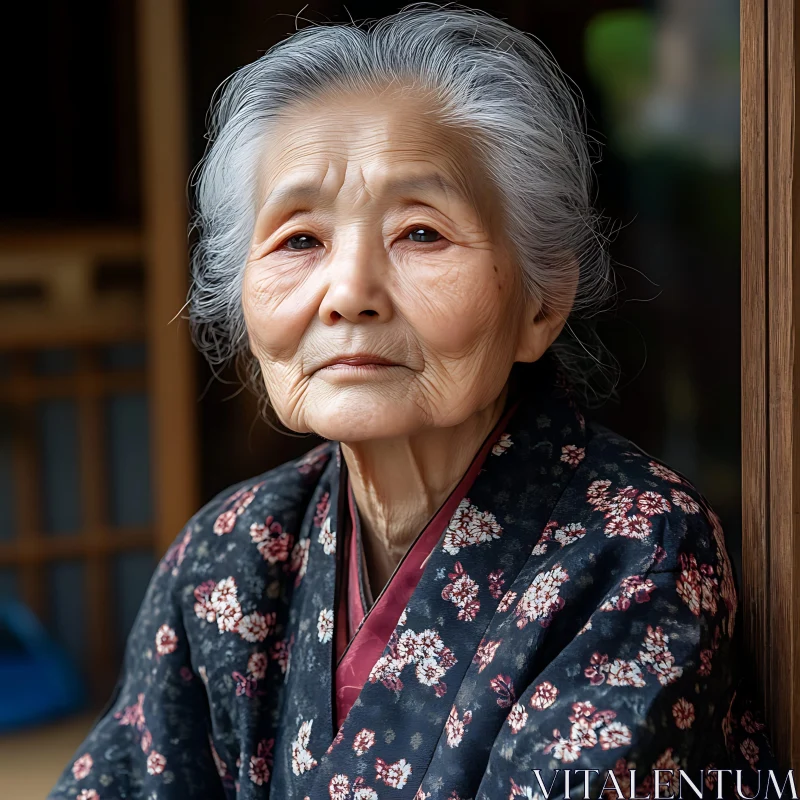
x: 362, y: 360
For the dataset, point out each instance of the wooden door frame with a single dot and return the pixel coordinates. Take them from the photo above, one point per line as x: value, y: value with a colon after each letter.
x: 770, y: 281
x: 161, y: 64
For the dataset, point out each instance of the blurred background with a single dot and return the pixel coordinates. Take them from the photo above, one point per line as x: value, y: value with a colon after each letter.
x: 112, y: 432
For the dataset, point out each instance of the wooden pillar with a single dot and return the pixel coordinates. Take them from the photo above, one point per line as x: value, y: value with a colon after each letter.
x: 96, y: 530
x: 163, y: 133
x: 771, y: 362
x: 27, y: 491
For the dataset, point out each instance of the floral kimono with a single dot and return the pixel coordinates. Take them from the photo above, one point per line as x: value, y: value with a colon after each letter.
x: 566, y: 616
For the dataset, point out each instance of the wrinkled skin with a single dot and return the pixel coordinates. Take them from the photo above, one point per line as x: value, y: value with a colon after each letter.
x: 379, y: 234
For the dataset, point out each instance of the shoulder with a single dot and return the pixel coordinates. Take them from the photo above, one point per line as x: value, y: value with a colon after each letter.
x: 633, y: 496
x: 627, y: 522
x: 266, y: 510
x: 279, y: 489
x: 614, y: 463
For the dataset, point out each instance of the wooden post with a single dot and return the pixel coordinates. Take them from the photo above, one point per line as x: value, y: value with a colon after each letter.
x: 95, y: 521
x: 755, y: 567
x: 28, y: 505
x: 771, y: 361
x: 162, y: 113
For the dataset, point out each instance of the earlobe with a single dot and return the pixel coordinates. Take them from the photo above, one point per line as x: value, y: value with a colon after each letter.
x: 538, y: 329
x: 533, y: 338
x: 542, y: 322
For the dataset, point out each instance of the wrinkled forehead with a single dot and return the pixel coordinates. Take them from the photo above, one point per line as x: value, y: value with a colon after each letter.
x: 366, y: 148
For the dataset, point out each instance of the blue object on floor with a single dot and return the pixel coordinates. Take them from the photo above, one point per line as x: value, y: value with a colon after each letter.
x: 37, y: 680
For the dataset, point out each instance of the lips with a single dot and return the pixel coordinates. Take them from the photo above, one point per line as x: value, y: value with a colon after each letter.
x: 359, y: 360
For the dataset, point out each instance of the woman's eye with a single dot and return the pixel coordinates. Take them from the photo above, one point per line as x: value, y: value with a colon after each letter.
x: 424, y: 235
x: 301, y: 241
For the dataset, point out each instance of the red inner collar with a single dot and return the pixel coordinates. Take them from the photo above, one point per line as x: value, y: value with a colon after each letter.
x: 368, y: 642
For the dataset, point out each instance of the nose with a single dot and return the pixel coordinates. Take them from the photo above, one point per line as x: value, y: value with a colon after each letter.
x: 357, y: 285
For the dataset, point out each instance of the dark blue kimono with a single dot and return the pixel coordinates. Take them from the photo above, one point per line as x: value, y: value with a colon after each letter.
x: 577, y: 613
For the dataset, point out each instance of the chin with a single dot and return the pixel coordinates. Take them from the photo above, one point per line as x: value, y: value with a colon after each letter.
x: 357, y: 416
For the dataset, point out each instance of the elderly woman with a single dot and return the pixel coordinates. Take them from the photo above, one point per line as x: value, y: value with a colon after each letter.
x: 469, y: 586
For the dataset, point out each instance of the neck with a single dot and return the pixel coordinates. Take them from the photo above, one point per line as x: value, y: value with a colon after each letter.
x: 399, y: 483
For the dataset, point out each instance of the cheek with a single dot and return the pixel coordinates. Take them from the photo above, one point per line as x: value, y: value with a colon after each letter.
x: 277, y: 311
x: 459, y: 308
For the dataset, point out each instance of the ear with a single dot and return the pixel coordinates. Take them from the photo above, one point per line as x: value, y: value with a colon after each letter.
x: 542, y: 322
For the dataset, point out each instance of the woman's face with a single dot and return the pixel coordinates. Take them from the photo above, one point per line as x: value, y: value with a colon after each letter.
x: 378, y: 296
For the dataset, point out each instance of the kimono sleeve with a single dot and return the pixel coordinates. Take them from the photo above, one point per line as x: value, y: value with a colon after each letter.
x: 153, y: 738
x: 646, y: 684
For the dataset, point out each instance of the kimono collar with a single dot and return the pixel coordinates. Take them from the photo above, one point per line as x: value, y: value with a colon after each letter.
x: 489, y: 539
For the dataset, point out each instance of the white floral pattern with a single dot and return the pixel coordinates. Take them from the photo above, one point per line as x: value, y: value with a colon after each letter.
x: 325, y: 625
x: 541, y: 599
x: 456, y: 726
x: 469, y: 527
x: 327, y: 538
x: 302, y: 760
x: 425, y: 651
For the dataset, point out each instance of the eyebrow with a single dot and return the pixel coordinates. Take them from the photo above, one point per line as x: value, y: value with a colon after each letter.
x: 406, y: 187
x: 425, y: 183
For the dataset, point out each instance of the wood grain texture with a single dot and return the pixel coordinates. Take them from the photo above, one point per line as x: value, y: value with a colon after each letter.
x: 770, y: 362
x: 755, y: 517
x: 161, y: 59
x: 770, y: 368
x: 784, y: 435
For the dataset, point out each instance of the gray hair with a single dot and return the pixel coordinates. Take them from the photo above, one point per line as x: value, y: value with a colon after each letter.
x: 495, y: 82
